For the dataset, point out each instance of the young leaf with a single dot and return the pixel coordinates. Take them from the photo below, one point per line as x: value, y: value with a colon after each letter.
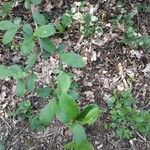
x: 48, y: 45
x: 39, y: 18
x: 66, y: 20
x: 35, y: 123
x: 17, y: 73
x: 36, y: 2
x: 44, y: 31
x: 27, y: 30
x: 63, y: 82
x: 20, y: 88
x: 9, y: 35
x: 44, y: 92
x: 27, y: 46
x: 30, y: 82
x: 79, y: 134
x: 68, y: 110
x: 23, y: 107
x: 31, y: 61
x: 89, y: 114
x: 72, y: 59
x: 6, y: 25
x: 5, y: 72
x: 48, y: 113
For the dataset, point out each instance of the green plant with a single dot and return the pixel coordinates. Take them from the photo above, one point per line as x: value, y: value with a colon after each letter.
x: 88, y: 23
x: 125, y: 119
x: 36, y: 41
x: 5, y: 8
x: 131, y: 35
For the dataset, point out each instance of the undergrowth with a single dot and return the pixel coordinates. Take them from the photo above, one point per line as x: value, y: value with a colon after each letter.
x: 36, y: 41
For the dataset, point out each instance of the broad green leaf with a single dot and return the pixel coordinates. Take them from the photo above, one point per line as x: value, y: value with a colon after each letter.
x: 68, y: 109
x: 82, y: 146
x: 85, y: 145
x: 44, y: 31
x: 39, y: 18
x: 20, y: 88
x: 6, y: 25
x: 89, y: 114
x: 9, y: 35
x: 79, y: 134
x: 27, y: 30
x: 5, y: 72
x: 30, y: 82
x: 31, y: 61
x: 48, y: 45
x: 70, y: 146
x: 36, y: 2
x: 44, y: 92
x: 63, y: 82
x: 17, y: 73
x: 27, y: 46
x: 66, y: 20
x: 48, y: 113
x: 72, y: 59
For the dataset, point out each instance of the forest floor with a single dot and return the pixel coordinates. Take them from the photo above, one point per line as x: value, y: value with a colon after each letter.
x: 109, y: 66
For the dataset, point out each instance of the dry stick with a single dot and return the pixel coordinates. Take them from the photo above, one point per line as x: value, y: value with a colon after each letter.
x: 36, y: 26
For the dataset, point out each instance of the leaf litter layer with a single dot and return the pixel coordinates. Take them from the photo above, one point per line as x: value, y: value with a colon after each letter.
x: 110, y: 65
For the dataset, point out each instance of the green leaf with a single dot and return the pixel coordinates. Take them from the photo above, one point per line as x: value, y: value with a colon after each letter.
x: 63, y: 82
x: 39, y: 18
x: 36, y: 2
x: 17, y: 22
x: 85, y: 145
x: 48, y: 113
x: 35, y: 123
x: 48, y: 45
x: 27, y: 4
x: 44, y: 31
x: 66, y: 20
x: 20, y: 88
x: 5, y: 8
x: 31, y: 61
x: 89, y: 114
x: 82, y: 146
x: 79, y: 134
x: 68, y: 109
x: 27, y: 46
x: 5, y: 72
x: 9, y: 35
x: 44, y: 92
x: 6, y: 25
x: 17, y: 73
x: 27, y: 30
x: 70, y: 145
x: 72, y: 59
x: 30, y: 82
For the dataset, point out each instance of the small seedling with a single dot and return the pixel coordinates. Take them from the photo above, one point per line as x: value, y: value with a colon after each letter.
x: 64, y: 95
